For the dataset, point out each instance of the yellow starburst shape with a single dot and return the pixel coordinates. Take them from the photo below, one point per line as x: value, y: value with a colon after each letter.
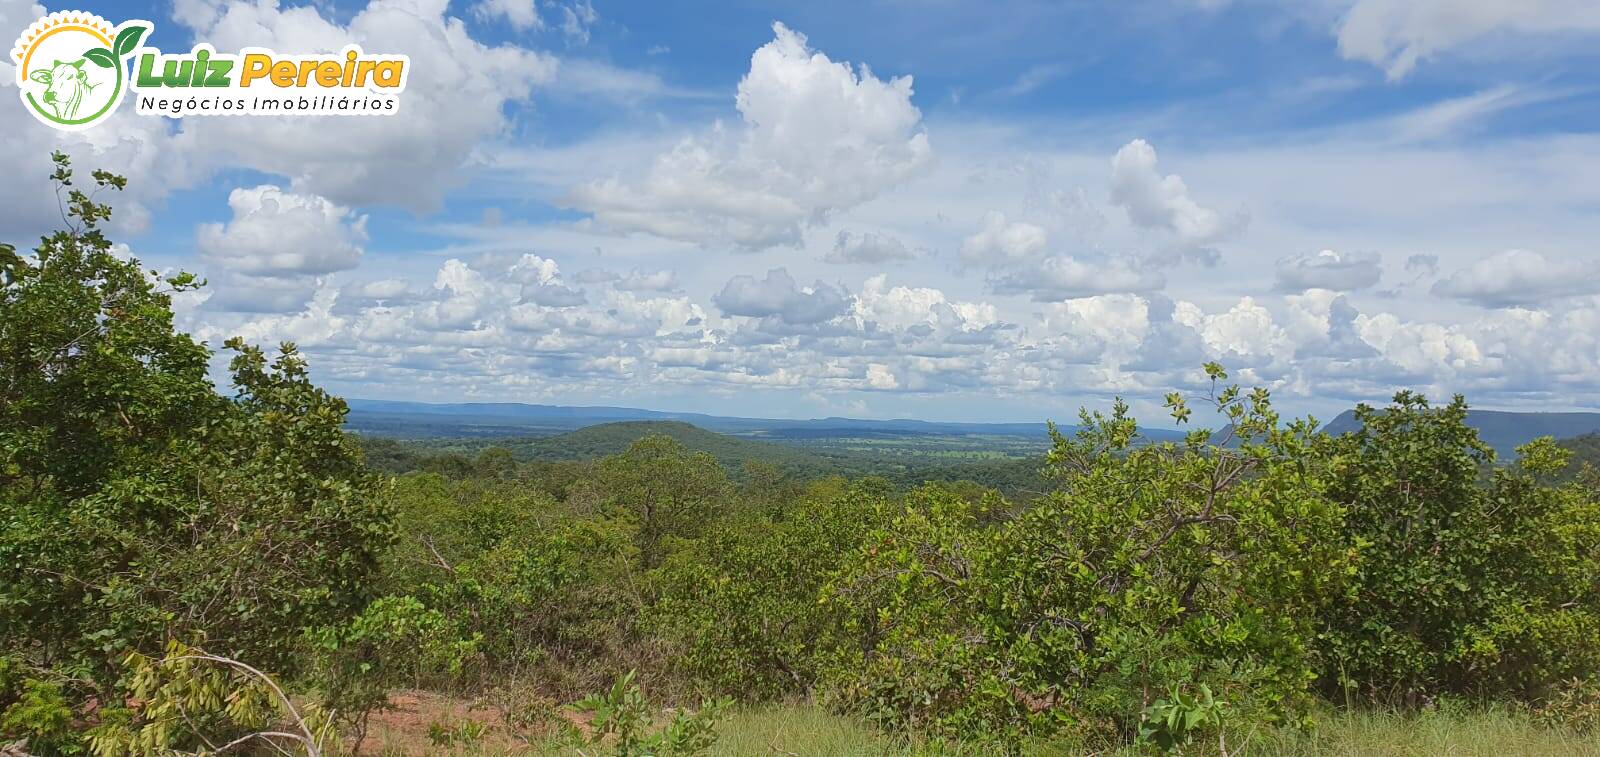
x: 55, y: 23
x: 70, y: 67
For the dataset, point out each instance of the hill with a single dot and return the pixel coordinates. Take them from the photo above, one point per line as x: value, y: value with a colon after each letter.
x: 1504, y: 431
x: 422, y: 420
x: 593, y: 442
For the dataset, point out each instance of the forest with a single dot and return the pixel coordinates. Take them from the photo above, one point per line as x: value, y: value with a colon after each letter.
x: 193, y: 568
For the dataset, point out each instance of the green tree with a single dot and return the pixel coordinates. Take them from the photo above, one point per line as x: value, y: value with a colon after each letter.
x: 137, y: 505
x: 1153, y: 569
x: 668, y: 491
x: 1473, y: 580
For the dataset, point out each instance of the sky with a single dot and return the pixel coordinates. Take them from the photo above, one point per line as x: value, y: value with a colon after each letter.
x: 883, y: 208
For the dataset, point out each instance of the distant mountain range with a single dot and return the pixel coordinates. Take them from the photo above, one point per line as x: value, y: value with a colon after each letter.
x: 467, y: 419
x: 1504, y: 431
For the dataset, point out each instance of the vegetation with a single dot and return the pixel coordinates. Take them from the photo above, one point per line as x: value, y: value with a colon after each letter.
x: 187, y: 571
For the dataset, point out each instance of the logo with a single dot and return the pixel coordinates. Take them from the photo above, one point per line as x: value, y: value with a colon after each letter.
x: 73, y: 69
x: 70, y: 70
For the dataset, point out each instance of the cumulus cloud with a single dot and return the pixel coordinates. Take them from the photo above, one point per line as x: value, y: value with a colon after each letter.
x: 815, y: 137
x: 1328, y: 269
x: 1155, y: 201
x: 1397, y: 34
x: 456, y: 98
x: 1518, y: 277
x: 868, y: 247
x: 779, y: 295
x: 1247, y: 329
x: 1001, y: 242
x: 903, y: 307
x: 278, y: 233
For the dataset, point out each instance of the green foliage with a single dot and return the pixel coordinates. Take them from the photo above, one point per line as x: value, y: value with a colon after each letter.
x: 668, y: 491
x: 1473, y: 581
x: 463, y: 733
x: 41, y: 715
x: 622, y: 721
x: 137, y: 505
x: 1573, y: 705
x: 1179, y: 718
x: 189, y: 700
x: 739, y: 610
x: 394, y: 642
x: 1153, y: 567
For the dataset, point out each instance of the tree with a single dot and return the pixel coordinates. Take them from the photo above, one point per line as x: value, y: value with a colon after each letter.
x: 1155, y: 568
x: 137, y: 505
x: 666, y: 489
x: 1473, y: 581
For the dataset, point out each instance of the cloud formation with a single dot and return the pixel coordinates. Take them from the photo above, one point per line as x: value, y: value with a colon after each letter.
x: 1516, y: 278
x: 1398, y: 34
x: 779, y: 295
x: 1328, y: 269
x: 867, y: 248
x: 1157, y: 201
x: 815, y: 137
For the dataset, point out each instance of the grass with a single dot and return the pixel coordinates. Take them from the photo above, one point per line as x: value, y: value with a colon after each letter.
x: 808, y: 731
x: 805, y: 730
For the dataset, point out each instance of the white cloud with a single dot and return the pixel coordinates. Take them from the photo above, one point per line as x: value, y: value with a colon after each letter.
x: 576, y: 18
x: 648, y: 281
x: 1001, y: 242
x: 1328, y: 269
x: 1519, y: 277
x: 903, y: 307
x: 1246, y: 329
x: 1060, y: 278
x: 523, y: 15
x: 455, y: 99
x: 1162, y: 202
x: 779, y: 295
x: 868, y: 247
x: 278, y: 233
x: 1397, y: 34
x: 880, y: 377
x: 815, y: 137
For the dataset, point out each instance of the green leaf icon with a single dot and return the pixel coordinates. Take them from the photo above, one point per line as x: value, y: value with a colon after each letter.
x: 100, y: 57
x: 128, y: 39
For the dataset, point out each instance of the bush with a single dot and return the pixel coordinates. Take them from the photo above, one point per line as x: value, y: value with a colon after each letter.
x: 137, y: 505
x: 738, y: 610
x: 1473, y: 581
x: 1154, y: 568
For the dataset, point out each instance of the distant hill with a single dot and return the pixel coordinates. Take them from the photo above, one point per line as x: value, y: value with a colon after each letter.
x: 593, y: 442
x: 469, y: 419
x: 1504, y: 431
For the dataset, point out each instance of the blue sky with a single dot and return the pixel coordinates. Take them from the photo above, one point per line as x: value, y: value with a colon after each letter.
x: 935, y: 209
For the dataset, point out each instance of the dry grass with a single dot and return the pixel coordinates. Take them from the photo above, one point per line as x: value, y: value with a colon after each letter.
x: 804, y: 731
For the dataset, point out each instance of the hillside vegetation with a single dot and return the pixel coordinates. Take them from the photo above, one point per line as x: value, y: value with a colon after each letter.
x: 187, y: 571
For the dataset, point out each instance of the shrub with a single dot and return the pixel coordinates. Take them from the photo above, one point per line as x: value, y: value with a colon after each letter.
x: 738, y: 609
x: 1473, y: 581
x: 137, y: 505
x: 1155, y: 567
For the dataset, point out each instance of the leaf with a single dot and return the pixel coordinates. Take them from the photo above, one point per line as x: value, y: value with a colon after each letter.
x: 100, y: 57
x: 128, y: 39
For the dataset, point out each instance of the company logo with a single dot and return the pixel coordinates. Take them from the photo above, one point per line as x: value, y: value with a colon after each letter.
x: 70, y: 71
x: 73, y: 69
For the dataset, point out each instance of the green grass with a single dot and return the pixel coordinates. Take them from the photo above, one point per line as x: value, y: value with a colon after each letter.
x: 807, y: 731
x: 802, y: 730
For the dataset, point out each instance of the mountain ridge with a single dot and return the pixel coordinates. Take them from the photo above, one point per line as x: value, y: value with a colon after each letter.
x: 1504, y: 430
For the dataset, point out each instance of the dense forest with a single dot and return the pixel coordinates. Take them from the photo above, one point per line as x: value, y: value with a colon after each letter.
x: 187, y: 568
